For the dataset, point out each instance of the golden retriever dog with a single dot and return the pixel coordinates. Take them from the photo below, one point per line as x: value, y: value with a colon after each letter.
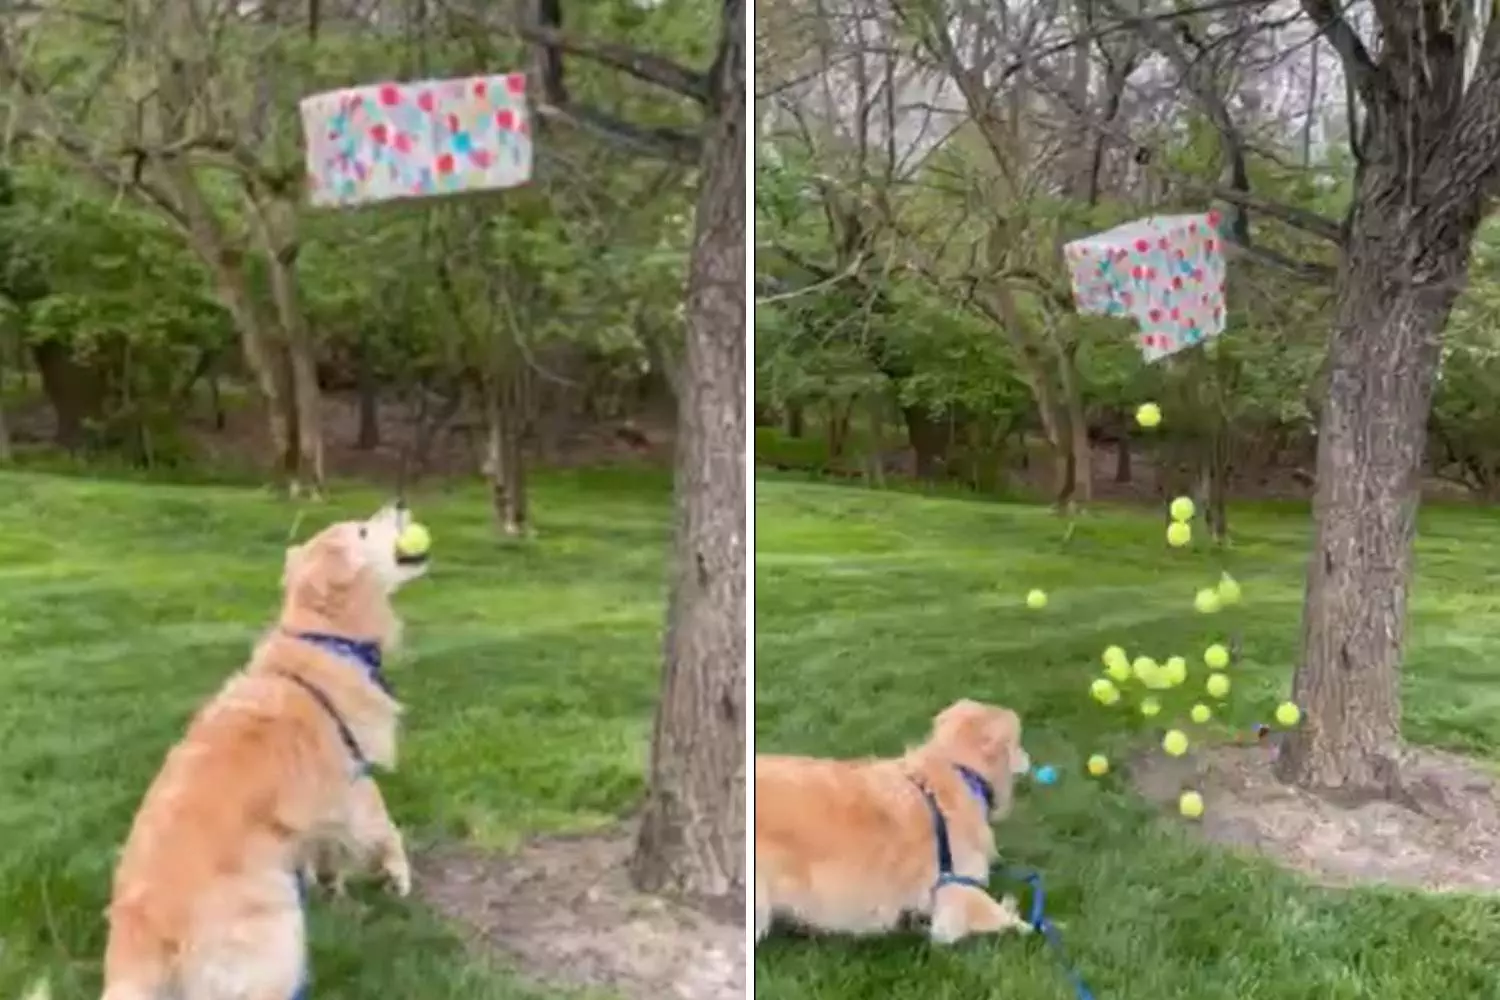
x: 207, y: 901
x: 853, y: 845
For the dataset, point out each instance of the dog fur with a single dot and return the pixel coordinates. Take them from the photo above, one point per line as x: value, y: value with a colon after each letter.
x: 849, y: 845
x: 206, y: 903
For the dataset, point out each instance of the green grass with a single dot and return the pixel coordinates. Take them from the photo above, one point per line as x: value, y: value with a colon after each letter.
x: 530, y: 674
x: 874, y: 610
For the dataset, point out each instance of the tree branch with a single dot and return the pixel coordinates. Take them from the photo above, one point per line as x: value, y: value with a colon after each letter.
x: 660, y: 141
x: 1359, y: 69
x: 652, y: 69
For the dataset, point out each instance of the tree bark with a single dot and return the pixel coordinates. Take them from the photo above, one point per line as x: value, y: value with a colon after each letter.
x: 692, y: 835
x: 505, y: 463
x: 1430, y: 163
x: 75, y: 390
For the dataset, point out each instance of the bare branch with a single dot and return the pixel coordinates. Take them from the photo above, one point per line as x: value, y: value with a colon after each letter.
x: 644, y: 66
x: 1359, y: 69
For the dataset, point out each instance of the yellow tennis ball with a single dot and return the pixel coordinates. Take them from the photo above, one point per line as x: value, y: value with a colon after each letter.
x: 1149, y: 707
x: 1201, y: 713
x: 414, y: 541
x: 1288, y: 714
x: 1175, y: 742
x: 1036, y: 599
x: 1190, y: 805
x: 1143, y: 668
x: 1182, y: 509
x: 1216, y: 656
x: 1206, y: 601
x: 1115, y: 654
x: 1179, y: 534
x: 1118, y: 671
x: 1218, y: 685
x: 1229, y: 590
x: 1104, y: 692
x: 1148, y: 415
x: 1176, y: 668
x: 1098, y: 765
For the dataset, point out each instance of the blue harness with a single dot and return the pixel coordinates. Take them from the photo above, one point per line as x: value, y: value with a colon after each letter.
x: 1037, y: 917
x: 367, y: 656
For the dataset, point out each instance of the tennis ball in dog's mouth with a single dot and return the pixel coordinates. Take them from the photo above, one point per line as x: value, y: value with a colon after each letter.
x: 1148, y: 415
x: 413, y: 542
x: 1036, y: 599
x: 1098, y: 765
x: 1179, y: 534
x: 1288, y: 714
x: 1190, y: 805
x: 1175, y: 742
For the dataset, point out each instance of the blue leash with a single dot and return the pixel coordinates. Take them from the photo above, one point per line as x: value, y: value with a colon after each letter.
x: 1039, y: 923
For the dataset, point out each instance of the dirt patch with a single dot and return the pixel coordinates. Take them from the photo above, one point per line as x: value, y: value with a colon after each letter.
x: 1447, y: 839
x: 564, y: 912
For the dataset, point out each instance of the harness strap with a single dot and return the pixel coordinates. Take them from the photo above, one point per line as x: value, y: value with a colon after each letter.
x: 361, y: 762
x: 361, y: 651
x: 946, y: 874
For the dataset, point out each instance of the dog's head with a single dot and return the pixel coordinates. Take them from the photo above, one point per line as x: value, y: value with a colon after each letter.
x: 343, y: 576
x: 986, y: 738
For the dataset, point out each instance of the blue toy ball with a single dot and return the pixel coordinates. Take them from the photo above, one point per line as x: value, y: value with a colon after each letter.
x: 1046, y: 774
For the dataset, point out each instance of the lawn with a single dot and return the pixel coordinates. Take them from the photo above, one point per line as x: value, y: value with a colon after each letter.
x: 874, y: 610
x: 530, y: 674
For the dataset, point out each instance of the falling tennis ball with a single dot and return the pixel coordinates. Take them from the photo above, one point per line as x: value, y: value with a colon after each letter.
x: 1216, y: 656
x: 1119, y: 671
x: 1176, y: 670
x: 1148, y: 415
x: 1218, y: 685
x: 1143, y: 668
x: 1206, y: 601
x: 1182, y: 509
x: 1098, y: 765
x: 413, y: 542
x: 1104, y: 692
x: 1036, y: 599
x: 1149, y: 707
x: 1190, y: 805
x: 1288, y: 714
x: 1179, y: 534
x: 1175, y: 742
x: 1229, y: 590
x: 1201, y: 713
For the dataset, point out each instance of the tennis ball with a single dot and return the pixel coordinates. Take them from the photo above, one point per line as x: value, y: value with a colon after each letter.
x: 1175, y: 742
x: 1206, y: 601
x: 1119, y: 671
x: 1201, y: 713
x: 1182, y: 509
x: 1036, y: 599
x: 1115, y: 654
x: 1178, y: 534
x: 1149, y: 707
x: 1218, y: 685
x: 1190, y: 805
x: 1148, y: 415
x: 414, y: 541
x: 1176, y: 668
x: 1098, y: 765
x: 1229, y: 590
x: 1045, y: 775
x: 1104, y: 692
x: 1143, y: 668
x: 1288, y: 714
x: 1216, y: 656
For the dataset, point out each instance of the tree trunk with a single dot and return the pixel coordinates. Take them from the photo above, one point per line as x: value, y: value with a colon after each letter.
x: 1122, y: 457
x: 369, y: 399
x: 692, y: 836
x: 1406, y: 262
x: 795, y: 422
x: 504, y: 463
x: 75, y: 390
x: 929, y: 439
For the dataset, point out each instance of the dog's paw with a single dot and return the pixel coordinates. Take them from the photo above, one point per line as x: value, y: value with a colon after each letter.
x: 398, y: 875
x: 1010, y: 911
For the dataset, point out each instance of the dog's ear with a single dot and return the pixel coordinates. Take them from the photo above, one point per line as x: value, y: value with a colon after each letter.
x: 992, y: 734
